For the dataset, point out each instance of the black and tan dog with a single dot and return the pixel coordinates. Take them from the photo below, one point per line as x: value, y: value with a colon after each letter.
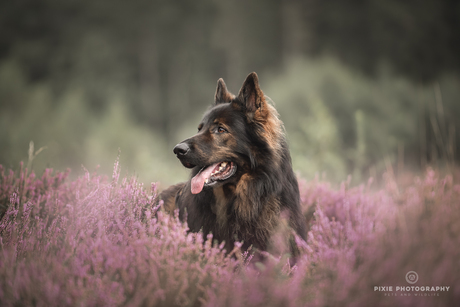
x: 242, y: 177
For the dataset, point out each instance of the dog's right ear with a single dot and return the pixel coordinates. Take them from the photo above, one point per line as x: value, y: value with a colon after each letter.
x: 222, y: 94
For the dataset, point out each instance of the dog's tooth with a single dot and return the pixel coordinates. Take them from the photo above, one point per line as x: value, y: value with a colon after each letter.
x: 206, y: 181
x: 223, y: 164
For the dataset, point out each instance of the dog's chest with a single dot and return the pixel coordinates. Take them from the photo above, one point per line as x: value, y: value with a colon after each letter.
x: 219, y: 207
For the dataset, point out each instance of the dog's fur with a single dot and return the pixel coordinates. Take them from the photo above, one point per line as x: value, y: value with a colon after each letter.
x: 245, y: 132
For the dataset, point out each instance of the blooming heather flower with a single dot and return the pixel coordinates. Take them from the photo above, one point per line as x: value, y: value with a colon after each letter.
x: 95, y: 241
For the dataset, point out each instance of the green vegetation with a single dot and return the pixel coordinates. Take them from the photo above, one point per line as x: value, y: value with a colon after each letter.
x: 74, y: 135
x: 338, y: 122
x: 355, y: 84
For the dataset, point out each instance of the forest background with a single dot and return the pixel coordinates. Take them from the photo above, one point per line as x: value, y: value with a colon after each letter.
x: 360, y: 85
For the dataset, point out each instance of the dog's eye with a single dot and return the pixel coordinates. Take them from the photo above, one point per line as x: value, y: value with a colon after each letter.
x: 221, y: 130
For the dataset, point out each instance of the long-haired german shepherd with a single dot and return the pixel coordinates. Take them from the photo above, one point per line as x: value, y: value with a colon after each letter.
x: 242, y: 178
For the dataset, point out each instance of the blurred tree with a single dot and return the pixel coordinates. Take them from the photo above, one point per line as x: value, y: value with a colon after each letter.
x: 420, y: 39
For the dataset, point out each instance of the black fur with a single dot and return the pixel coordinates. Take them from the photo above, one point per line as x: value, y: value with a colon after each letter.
x: 246, y: 131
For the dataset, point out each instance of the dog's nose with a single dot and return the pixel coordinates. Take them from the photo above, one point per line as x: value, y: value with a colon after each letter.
x: 181, y: 149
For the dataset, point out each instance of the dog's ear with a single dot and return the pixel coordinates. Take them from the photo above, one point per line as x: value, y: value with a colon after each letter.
x: 222, y: 94
x: 252, y: 96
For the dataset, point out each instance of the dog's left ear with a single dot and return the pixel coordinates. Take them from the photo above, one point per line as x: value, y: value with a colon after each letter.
x: 252, y: 96
x: 222, y: 94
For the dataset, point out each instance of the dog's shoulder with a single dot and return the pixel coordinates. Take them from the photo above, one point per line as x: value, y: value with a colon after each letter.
x: 169, y: 196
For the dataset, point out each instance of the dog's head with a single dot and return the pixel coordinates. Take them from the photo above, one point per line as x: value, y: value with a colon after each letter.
x: 229, y: 136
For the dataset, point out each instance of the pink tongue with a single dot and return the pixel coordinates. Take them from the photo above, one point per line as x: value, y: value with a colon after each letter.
x: 198, y: 180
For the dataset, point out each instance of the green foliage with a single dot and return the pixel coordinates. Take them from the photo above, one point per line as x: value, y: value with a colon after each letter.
x: 340, y: 122
x: 75, y: 135
x: 83, y: 80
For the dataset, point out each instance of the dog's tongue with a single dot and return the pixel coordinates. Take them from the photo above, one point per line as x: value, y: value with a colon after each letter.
x: 199, y: 179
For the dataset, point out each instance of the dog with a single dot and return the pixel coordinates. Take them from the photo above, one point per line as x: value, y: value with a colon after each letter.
x: 241, y: 172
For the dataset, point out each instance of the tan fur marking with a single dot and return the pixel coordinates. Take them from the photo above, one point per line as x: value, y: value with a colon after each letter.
x: 273, y: 129
x: 269, y: 219
x: 232, y: 143
x: 220, y: 207
x: 242, y: 203
x: 268, y: 216
x: 170, y: 205
x: 224, y: 152
x: 259, y: 111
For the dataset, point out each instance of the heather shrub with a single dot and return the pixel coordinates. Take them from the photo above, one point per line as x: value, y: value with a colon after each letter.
x: 96, y: 242
x: 99, y: 241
